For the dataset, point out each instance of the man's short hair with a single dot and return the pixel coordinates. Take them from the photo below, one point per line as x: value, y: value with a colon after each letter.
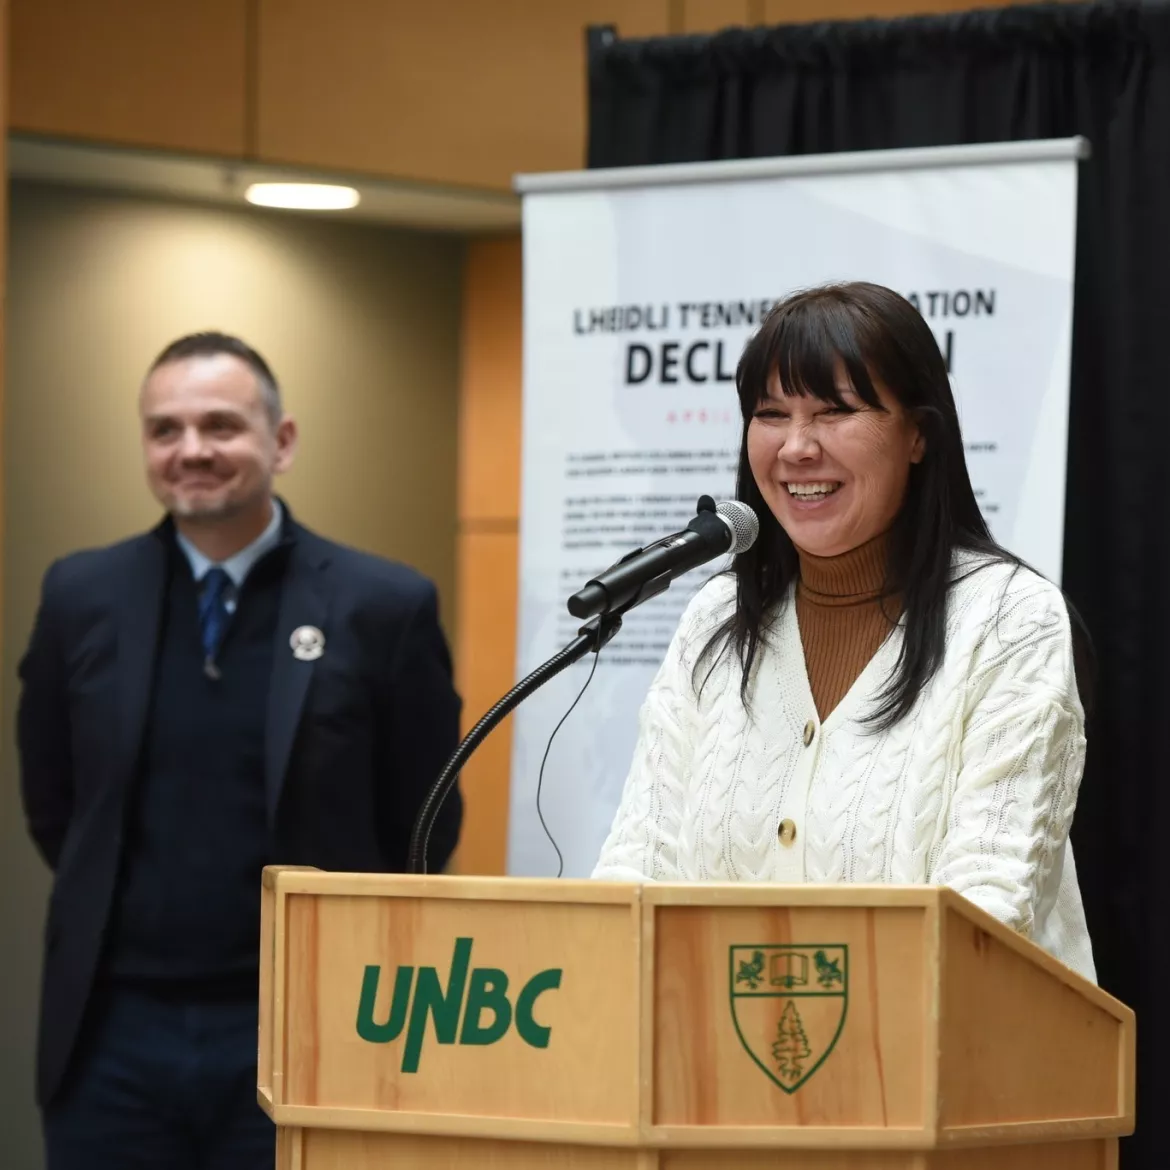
x: 209, y: 344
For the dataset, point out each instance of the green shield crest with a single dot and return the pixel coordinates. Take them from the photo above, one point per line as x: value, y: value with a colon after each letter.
x: 788, y: 1001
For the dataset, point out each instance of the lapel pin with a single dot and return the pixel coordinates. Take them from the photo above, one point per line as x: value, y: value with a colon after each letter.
x: 308, y: 643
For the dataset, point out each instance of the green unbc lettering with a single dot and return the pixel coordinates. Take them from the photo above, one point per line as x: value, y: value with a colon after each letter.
x: 443, y: 1007
x: 530, y: 1031
x: 480, y: 993
x: 367, y: 1029
x: 489, y: 989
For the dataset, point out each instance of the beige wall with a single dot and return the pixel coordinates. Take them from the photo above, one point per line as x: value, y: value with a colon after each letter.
x: 360, y: 324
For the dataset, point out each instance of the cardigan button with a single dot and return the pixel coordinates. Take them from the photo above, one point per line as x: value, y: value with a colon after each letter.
x: 787, y: 832
x: 810, y: 729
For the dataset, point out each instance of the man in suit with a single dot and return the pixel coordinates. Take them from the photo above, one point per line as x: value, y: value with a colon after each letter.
x: 226, y: 691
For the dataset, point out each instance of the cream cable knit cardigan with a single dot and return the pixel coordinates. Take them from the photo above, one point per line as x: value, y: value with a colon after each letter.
x: 975, y: 789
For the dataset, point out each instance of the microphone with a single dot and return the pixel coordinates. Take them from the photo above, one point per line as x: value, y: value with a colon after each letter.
x: 727, y: 527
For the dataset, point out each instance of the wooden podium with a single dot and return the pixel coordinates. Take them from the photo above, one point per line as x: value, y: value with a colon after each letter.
x: 514, y: 1024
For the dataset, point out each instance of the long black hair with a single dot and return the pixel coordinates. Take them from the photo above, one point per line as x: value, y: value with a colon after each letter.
x: 878, y: 334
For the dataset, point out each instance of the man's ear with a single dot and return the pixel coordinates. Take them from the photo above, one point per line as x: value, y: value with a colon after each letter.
x: 286, y: 443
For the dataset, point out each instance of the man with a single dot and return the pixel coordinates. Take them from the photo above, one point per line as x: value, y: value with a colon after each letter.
x: 226, y: 691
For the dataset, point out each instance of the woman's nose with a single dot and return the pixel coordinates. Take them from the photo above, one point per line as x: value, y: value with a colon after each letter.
x: 800, y: 442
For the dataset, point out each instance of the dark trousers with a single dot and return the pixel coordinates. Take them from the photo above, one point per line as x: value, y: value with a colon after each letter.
x: 161, y: 1083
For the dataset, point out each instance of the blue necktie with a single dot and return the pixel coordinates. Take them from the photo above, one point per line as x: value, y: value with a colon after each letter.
x: 213, y: 615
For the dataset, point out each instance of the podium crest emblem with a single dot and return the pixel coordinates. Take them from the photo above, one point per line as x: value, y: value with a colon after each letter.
x: 789, y: 1002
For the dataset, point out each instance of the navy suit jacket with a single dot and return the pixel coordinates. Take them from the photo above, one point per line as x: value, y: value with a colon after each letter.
x: 353, y: 739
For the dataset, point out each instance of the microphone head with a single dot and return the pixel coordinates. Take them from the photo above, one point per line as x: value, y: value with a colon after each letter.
x: 743, y: 522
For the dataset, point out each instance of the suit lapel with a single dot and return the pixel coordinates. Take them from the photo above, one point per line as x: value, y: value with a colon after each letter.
x: 304, y: 602
x: 139, y: 619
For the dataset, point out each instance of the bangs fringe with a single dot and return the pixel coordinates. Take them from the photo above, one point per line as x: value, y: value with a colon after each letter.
x: 802, y: 341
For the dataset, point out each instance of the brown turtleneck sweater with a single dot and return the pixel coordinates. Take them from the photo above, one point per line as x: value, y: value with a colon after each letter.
x: 842, y: 617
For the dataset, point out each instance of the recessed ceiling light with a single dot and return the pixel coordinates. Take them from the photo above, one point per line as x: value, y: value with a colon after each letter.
x: 302, y: 196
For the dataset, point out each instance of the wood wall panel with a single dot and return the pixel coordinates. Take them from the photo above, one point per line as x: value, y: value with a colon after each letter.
x: 705, y: 16
x: 464, y: 92
x: 486, y: 588
x: 487, y: 551
x: 162, y: 73
x: 489, y: 416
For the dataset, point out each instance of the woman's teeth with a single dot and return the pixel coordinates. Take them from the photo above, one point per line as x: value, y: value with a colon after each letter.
x: 811, y: 491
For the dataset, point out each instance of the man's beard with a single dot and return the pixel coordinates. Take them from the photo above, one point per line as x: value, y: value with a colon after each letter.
x: 203, y: 509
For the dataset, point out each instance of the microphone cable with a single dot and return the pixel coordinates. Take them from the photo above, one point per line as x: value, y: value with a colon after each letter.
x: 540, y: 777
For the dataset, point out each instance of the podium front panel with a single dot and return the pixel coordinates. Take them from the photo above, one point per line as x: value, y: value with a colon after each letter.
x: 802, y: 1016
x: 437, y: 1004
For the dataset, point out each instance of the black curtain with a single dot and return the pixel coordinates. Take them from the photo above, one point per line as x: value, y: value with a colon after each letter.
x: 1049, y: 71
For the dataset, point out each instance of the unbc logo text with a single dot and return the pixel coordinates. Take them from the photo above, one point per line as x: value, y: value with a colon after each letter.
x: 477, y: 996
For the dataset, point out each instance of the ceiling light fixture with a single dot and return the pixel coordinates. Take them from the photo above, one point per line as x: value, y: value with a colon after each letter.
x: 303, y: 196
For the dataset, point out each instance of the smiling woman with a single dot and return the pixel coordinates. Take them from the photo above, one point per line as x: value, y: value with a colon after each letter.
x: 876, y: 692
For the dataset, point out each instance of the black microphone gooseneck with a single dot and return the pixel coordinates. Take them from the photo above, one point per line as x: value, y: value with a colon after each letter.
x: 592, y: 636
x: 729, y: 526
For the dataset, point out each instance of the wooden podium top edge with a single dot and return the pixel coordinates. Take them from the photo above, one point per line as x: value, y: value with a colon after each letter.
x: 306, y: 880
x: 773, y: 894
x: 290, y: 880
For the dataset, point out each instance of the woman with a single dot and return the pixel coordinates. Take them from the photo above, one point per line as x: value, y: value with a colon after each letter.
x: 876, y: 692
